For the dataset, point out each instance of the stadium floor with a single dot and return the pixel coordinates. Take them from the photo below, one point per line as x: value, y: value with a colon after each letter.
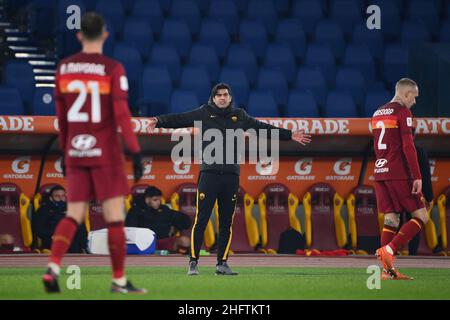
x: 261, y: 277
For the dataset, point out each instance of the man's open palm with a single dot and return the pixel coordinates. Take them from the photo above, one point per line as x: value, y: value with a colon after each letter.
x: 301, y: 137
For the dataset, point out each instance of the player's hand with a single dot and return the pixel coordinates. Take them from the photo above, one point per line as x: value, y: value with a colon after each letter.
x: 153, y: 122
x: 428, y: 205
x: 301, y: 137
x: 138, y: 168
x: 417, y: 186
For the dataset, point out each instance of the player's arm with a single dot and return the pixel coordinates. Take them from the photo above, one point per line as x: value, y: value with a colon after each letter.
x: 178, y: 120
x: 252, y: 123
x: 408, y: 148
x: 122, y: 116
x: 284, y: 134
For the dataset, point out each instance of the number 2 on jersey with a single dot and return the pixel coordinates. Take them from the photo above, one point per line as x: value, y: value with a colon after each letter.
x: 381, y: 145
x: 74, y: 114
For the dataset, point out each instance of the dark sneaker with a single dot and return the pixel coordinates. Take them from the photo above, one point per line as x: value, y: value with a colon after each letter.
x: 193, y: 269
x: 50, y: 280
x: 224, y: 270
x: 128, y: 288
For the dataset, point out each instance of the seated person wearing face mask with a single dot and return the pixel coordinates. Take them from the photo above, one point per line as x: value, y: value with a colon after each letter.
x: 165, y: 222
x: 52, y: 210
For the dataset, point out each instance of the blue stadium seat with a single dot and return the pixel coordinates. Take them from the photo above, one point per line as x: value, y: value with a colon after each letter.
x: 183, y: 101
x: 444, y: 34
x: 264, y: 11
x: 165, y: 5
x: 205, y: 55
x: 138, y: 32
x: 113, y: 11
x: 426, y: 12
x: 374, y: 100
x: 312, y: 79
x: 290, y: 32
x: 242, y: 6
x: 203, y: 5
x: 227, y: 12
x: 282, y: 7
x: 196, y: 79
x: 151, y: 11
x: 329, y: 32
x: 42, y: 18
x: 176, y: 33
x: 301, y: 104
x: 414, y: 32
x: 340, y: 105
x: 127, y: 5
x: 262, y: 104
x: 19, y: 74
x: 309, y: 12
x: 359, y: 56
x: 395, y: 62
x: 129, y: 56
x: 240, y: 56
x: 272, y: 80
x: 372, y: 39
x: 347, y: 13
x: 11, y: 101
x: 238, y: 81
x: 156, y: 86
x: 215, y: 33
x: 43, y: 102
x: 254, y: 34
x: 167, y: 56
x: 321, y: 57
x: 189, y: 12
x: 66, y: 39
x: 352, y: 81
x: 280, y: 56
x: 390, y: 17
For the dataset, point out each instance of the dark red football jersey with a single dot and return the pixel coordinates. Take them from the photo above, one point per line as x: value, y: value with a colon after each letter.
x: 396, y: 157
x: 91, y: 94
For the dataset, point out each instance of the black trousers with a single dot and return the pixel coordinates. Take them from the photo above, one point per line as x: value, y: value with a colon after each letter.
x: 211, y: 186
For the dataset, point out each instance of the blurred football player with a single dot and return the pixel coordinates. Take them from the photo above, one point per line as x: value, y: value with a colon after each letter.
x: 91, y: 104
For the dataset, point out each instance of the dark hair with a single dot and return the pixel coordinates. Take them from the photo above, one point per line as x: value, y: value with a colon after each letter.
x: 55, y: 188
x: 152, y: 192
x: 216, y: 89
x: 220, y: 86
x: 92, y: 25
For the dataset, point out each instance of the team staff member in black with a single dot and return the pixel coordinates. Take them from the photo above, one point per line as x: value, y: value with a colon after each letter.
x: 218, y: 181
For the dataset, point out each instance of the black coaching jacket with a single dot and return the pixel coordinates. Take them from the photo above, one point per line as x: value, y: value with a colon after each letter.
x: 212, y: 117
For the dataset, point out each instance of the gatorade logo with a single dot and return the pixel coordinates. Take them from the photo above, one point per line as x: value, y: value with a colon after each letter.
x: 303, y: 166
x: 432, y: 166
x: 147, y: 164
x: 181, y: 168
x: 58, y: 166
x: 264, y: 167
x: 343, y: 166
x: 21, y: 165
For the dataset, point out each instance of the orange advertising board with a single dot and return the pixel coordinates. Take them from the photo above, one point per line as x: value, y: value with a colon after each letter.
x: 21, y: 170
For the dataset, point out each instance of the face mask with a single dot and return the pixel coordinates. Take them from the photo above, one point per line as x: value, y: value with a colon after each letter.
x: 60, y: 204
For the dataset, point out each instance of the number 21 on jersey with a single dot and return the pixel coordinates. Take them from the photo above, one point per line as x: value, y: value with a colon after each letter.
x: 74, y: 114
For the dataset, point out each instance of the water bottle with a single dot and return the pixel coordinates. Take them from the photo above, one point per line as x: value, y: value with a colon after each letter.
x: 162, y: 252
